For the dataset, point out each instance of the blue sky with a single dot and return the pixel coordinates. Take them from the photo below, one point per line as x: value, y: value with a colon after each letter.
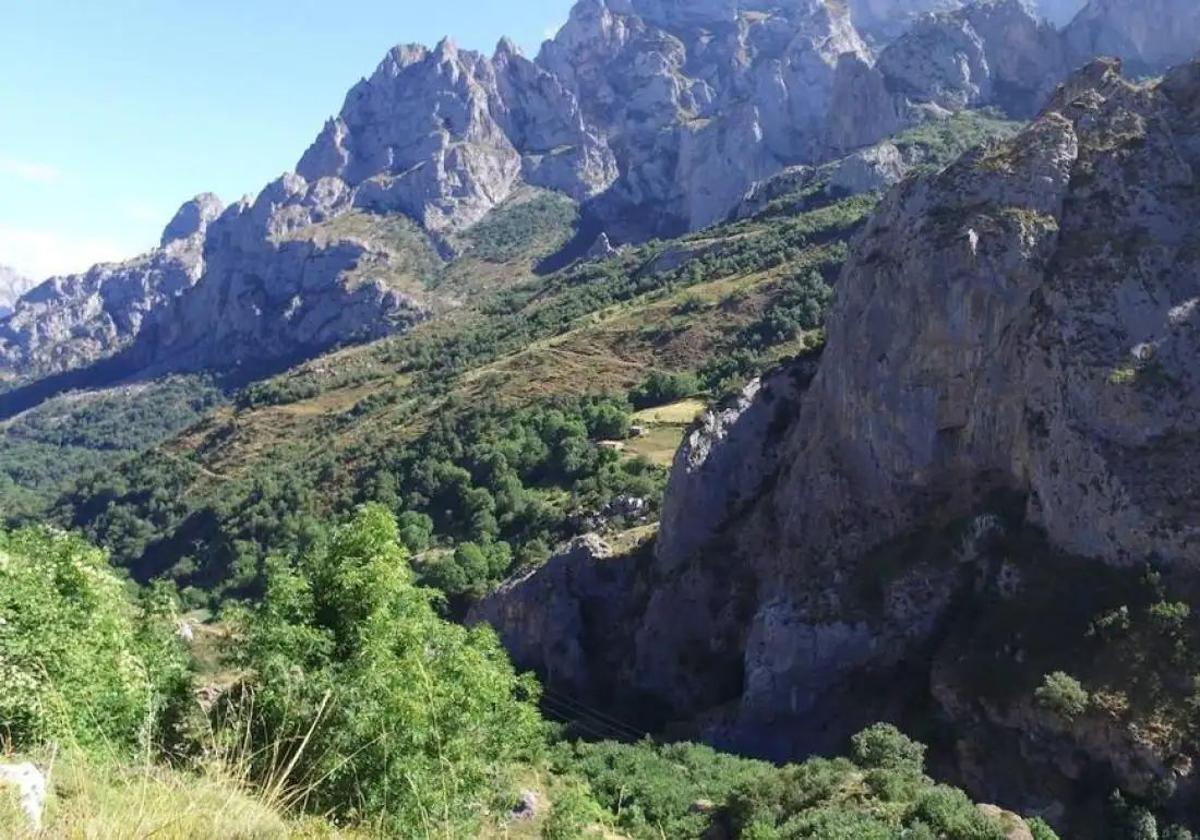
x: 114, y: 112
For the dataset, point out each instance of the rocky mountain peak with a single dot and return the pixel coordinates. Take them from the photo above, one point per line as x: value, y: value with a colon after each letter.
x: 1148, y: 34
x: 12, y: 286
x: 193, y: 218
x: 658, y: 116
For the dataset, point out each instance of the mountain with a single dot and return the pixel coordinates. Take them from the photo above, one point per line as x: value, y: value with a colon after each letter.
x: 12, y: 286
x: 68, y: 322
x: 1148, y: 36
x: 656, y: 117
x: 995, y: 451
x: 851, y: 367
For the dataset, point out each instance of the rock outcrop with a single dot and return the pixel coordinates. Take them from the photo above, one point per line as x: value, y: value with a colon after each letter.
x: 446, y: 135
x: 549, y: 618
x: 1147, y: 34
x: 886, y: 20
x: 982, y: 325
x: 273, y: 290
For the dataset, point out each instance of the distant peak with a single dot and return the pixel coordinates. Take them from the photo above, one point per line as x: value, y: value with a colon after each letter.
x: 507, y: 48
x: 192, y: 218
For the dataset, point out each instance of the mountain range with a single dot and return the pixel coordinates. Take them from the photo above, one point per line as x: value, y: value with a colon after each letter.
x: 759, y: 371
x: 655, y: 117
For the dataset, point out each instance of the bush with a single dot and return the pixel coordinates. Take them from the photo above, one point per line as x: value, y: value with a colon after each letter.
x: 1040, y: 829
x: 80, y: 662
x: 1063, y: 695
x: 661, y: 388
x: 885, y: 747
x: 951, y: 814
x: 389, y: 712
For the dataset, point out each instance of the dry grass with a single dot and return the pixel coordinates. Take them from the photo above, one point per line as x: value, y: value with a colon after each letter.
x: 682, y: 413
x: 91, y: 800
x: 658, y: 445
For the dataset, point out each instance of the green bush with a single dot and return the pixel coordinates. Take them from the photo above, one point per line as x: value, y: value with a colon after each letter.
x: 885, y: 747
x: 80, y: 662
x: 1062, y: 694
x: 405, y: 719
x: 661, y: 388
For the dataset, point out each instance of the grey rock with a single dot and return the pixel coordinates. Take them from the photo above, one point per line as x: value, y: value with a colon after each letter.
x: 973, y: 347
x: 601, y: 249
x: 660, y: 116
x: 273, y: 290
x: 70, y: 322
x: 547, y: 617
x: 12, y: 286
x: 995, y: 52
x: 193, y: 218
x: 1149, y: 35
x: 1060, y: 12
x: 873, y: 169
x: 885, y: 20
x: 446, y: 135
x: 528, y: 807
x: 993, y: 333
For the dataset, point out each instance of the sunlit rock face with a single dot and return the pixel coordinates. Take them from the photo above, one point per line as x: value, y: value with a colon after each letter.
x: 657, y: 116
x: 1148, y: 35
x: 12, y: 286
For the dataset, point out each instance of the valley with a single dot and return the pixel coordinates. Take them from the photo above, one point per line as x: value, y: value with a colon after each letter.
x: 743, y: 420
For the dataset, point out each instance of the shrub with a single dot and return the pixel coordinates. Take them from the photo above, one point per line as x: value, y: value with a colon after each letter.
x: 885, y: 747
x: 387, y: 711
x: 660, y: 388
x: 80, y: 662
x: 1169, y: 617
x: 1063, y: 695
x: 951, y: 814
x: 1040, y: 829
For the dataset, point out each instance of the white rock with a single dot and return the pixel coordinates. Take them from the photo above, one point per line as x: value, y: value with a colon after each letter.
x: 30, y: 784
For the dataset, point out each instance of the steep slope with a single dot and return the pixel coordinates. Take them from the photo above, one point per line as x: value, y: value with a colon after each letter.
x: 999, y: 435
x: 885, y: 20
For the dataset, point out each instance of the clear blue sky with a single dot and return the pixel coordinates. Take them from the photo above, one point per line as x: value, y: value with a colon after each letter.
x: 114, y: 112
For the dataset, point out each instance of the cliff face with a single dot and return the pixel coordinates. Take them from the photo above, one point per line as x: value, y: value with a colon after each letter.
x: 1148, y: 35
x: 1016, y: 337
x: 1023, y: 321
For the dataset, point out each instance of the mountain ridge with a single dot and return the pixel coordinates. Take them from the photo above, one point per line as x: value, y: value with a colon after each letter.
x: 653, y: 123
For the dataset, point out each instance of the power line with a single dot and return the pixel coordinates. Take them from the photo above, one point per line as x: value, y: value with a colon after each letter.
x: 613, y: 723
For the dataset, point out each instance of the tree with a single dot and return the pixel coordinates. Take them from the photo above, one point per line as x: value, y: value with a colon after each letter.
x: 660, y: 388
x: 80, y: 662
x: 885, y: 747
x: 404, y: 717
x: 1063, y: 695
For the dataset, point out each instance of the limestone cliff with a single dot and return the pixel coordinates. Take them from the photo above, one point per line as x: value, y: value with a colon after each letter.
x: 1015, y: 340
